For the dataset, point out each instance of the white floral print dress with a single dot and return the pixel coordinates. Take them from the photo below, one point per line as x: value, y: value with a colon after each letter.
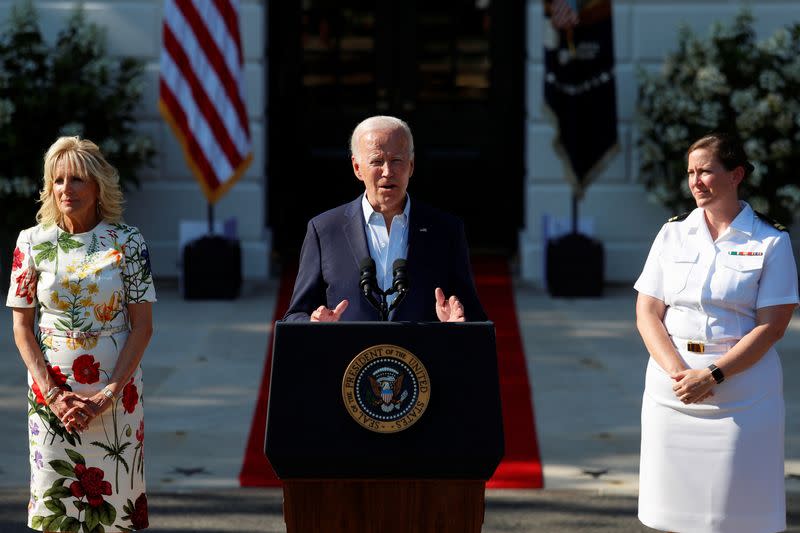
x: 81, y: 284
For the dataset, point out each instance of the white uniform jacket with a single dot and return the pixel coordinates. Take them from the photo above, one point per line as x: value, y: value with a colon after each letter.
x: 713, y: 289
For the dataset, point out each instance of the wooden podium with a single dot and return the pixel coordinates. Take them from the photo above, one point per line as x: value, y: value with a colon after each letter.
x: 341, y: 476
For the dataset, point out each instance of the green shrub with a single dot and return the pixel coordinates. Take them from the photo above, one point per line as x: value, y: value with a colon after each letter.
x: 71, y: 87
x: 725, y: 81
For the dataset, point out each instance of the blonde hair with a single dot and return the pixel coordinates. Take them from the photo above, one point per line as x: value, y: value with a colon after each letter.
x: 86, y: 161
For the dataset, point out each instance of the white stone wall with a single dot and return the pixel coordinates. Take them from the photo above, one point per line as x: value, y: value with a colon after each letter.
x: 169, y: 192
x: 626, y: 222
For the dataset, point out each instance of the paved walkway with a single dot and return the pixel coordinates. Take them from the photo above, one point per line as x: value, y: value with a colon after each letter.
x: 202, y: 372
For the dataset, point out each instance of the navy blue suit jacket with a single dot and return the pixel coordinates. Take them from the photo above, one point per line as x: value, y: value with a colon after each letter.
x: 336, y: 243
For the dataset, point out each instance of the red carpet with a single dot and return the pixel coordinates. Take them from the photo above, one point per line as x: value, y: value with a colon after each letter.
x: 521, y: 467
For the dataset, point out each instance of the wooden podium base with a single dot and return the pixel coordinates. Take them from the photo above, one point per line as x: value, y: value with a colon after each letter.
x: 383, y: 505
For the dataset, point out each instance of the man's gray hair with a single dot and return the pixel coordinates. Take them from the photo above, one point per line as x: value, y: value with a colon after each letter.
x: 380, y: 123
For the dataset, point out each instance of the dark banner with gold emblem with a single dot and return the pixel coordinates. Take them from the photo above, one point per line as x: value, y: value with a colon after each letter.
x: 579, y: 84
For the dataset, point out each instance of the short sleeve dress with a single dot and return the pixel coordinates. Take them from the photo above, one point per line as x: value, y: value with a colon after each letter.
x: 716, y: 466
x: 81, y: 285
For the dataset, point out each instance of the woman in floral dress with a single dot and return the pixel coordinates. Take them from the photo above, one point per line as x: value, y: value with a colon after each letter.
x: 88, y: 274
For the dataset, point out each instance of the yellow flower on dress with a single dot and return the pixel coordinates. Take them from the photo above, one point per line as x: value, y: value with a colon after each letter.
x: 47, y: 340
x: 90, y: 342
x: 63, y: 305
x: 54, y: 298
x: 85, y: 343
x: 65, y: 282
x: 86, y: 302
x: 92, y: 288
x: 71, y: 269
x: 74, y: 288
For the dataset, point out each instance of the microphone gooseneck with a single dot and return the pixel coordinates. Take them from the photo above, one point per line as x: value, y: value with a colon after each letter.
x: 368, y: 283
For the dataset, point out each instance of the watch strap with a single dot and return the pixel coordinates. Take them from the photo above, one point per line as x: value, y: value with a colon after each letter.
x: 716, y: 373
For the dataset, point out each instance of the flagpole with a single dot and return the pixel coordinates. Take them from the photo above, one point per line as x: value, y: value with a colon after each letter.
x: 574, y: 212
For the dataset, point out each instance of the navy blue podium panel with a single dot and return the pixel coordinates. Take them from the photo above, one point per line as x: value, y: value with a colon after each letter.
x: 312, y: 434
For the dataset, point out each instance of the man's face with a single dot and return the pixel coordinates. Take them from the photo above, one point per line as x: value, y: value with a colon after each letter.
x: 385, y: 166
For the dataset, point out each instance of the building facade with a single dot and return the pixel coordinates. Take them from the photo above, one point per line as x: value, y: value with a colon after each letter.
x: 623, y: 218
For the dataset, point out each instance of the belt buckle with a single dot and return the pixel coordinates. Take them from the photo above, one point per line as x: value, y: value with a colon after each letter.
x: 696, y: 347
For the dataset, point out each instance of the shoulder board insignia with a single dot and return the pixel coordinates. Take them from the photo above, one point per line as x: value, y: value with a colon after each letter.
x: 678, y: 218
x: 774, y: 223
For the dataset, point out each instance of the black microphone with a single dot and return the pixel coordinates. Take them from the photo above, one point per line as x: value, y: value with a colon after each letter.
x: 399, y: 281
x: 368, y: 282
x: 399, y: 275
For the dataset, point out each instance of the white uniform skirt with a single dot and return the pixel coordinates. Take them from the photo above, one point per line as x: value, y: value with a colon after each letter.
x: 716, y: 466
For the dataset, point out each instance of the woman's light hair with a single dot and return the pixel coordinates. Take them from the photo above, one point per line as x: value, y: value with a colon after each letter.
x: 86, y: 161
x: 379, y: 123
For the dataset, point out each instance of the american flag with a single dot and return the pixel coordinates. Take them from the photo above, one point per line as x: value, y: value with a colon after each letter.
x: 201, y: 90
x: 563, y: 14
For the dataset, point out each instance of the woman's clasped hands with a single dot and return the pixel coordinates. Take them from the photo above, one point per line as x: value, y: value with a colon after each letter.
x: 693, y: 385
x: 76, y: 412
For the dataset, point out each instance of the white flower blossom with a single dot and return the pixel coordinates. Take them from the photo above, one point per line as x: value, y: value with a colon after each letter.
x: 676, y: 136
x: 749, y: 120
x: 757, y: 176
x: 110, y: 147
x: 710, y: 114
x: 71, y: 128
x: 759, y: 203
x: 780, y: 148
x: 779, y: 44
x: 770, y: 80
x: 19, y: 186
x: 140, y: 145
x: 791, y: 192
x: 710, y: 80
x: 741, y: 100
x: 755, y: 149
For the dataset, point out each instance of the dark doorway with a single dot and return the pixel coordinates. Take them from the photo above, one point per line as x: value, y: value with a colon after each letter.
x: 453, y: 70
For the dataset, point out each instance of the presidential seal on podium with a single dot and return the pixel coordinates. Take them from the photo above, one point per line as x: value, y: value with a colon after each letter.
x: 386, y: 388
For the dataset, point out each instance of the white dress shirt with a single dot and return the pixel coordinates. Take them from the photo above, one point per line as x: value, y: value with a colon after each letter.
x: 386, y: 246
x: 712, y: 289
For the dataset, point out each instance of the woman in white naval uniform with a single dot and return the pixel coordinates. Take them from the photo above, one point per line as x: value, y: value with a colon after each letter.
x: 717, y: 291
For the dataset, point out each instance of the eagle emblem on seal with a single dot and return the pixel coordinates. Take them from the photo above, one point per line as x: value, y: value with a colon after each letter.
x: 388, y: 390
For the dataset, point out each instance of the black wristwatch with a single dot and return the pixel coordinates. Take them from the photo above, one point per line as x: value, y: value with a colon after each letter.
x: 716, y: 373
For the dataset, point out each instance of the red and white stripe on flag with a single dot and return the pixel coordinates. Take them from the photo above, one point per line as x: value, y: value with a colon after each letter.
x: 201, y: 90
x: 563, y: 15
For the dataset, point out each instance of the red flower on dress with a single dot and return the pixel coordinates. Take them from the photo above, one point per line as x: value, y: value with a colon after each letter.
x: 85, y: 369
x: 59, y: 379
x: 18, y: 257
x: 90, y: 484
x: 26, y: 285
x: 130, y: 397
x: 140, y: 431
x: 139, y: 514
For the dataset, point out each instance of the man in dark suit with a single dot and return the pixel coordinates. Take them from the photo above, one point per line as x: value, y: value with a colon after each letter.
x: 386, y: 225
